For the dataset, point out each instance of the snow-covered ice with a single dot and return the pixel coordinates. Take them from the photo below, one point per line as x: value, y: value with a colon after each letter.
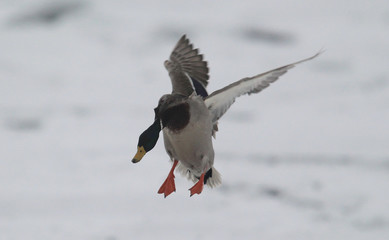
x: 307, y: 158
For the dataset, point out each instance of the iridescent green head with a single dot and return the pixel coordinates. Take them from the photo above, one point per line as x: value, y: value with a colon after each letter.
x: 147, y: 140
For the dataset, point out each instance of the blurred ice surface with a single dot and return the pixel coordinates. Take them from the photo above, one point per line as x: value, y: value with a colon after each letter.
x: 47, y: 13
x: 306, y: 159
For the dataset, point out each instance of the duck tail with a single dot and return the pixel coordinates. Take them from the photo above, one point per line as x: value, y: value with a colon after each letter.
x: 215, y: 180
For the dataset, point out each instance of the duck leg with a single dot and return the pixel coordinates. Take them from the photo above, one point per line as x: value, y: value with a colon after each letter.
x: 168, y: 186
x: 198, y: 187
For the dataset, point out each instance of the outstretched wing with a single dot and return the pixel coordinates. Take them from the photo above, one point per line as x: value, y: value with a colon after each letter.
x: 184, y: 64
x: 221, y: 100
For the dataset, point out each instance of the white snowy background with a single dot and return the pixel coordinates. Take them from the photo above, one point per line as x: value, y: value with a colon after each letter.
x: 308, y: 158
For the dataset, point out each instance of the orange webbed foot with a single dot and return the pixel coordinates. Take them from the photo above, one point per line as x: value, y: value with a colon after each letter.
x: 198, y: 187
x: 169, y: 186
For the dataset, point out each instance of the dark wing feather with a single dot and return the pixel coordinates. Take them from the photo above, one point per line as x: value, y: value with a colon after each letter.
x: 184, y: 64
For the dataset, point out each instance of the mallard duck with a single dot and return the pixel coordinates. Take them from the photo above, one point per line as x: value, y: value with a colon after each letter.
x: 188, y: 116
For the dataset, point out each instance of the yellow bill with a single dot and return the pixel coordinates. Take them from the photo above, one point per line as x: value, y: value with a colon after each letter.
x: 139, y: 154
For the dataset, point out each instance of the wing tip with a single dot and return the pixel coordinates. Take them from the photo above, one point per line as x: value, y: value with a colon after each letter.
x: 321, y: 51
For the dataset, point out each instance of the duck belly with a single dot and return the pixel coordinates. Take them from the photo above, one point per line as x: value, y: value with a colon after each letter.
x: 192, y: 145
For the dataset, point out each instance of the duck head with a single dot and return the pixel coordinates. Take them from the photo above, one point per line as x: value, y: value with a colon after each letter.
x: 148, y: 138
